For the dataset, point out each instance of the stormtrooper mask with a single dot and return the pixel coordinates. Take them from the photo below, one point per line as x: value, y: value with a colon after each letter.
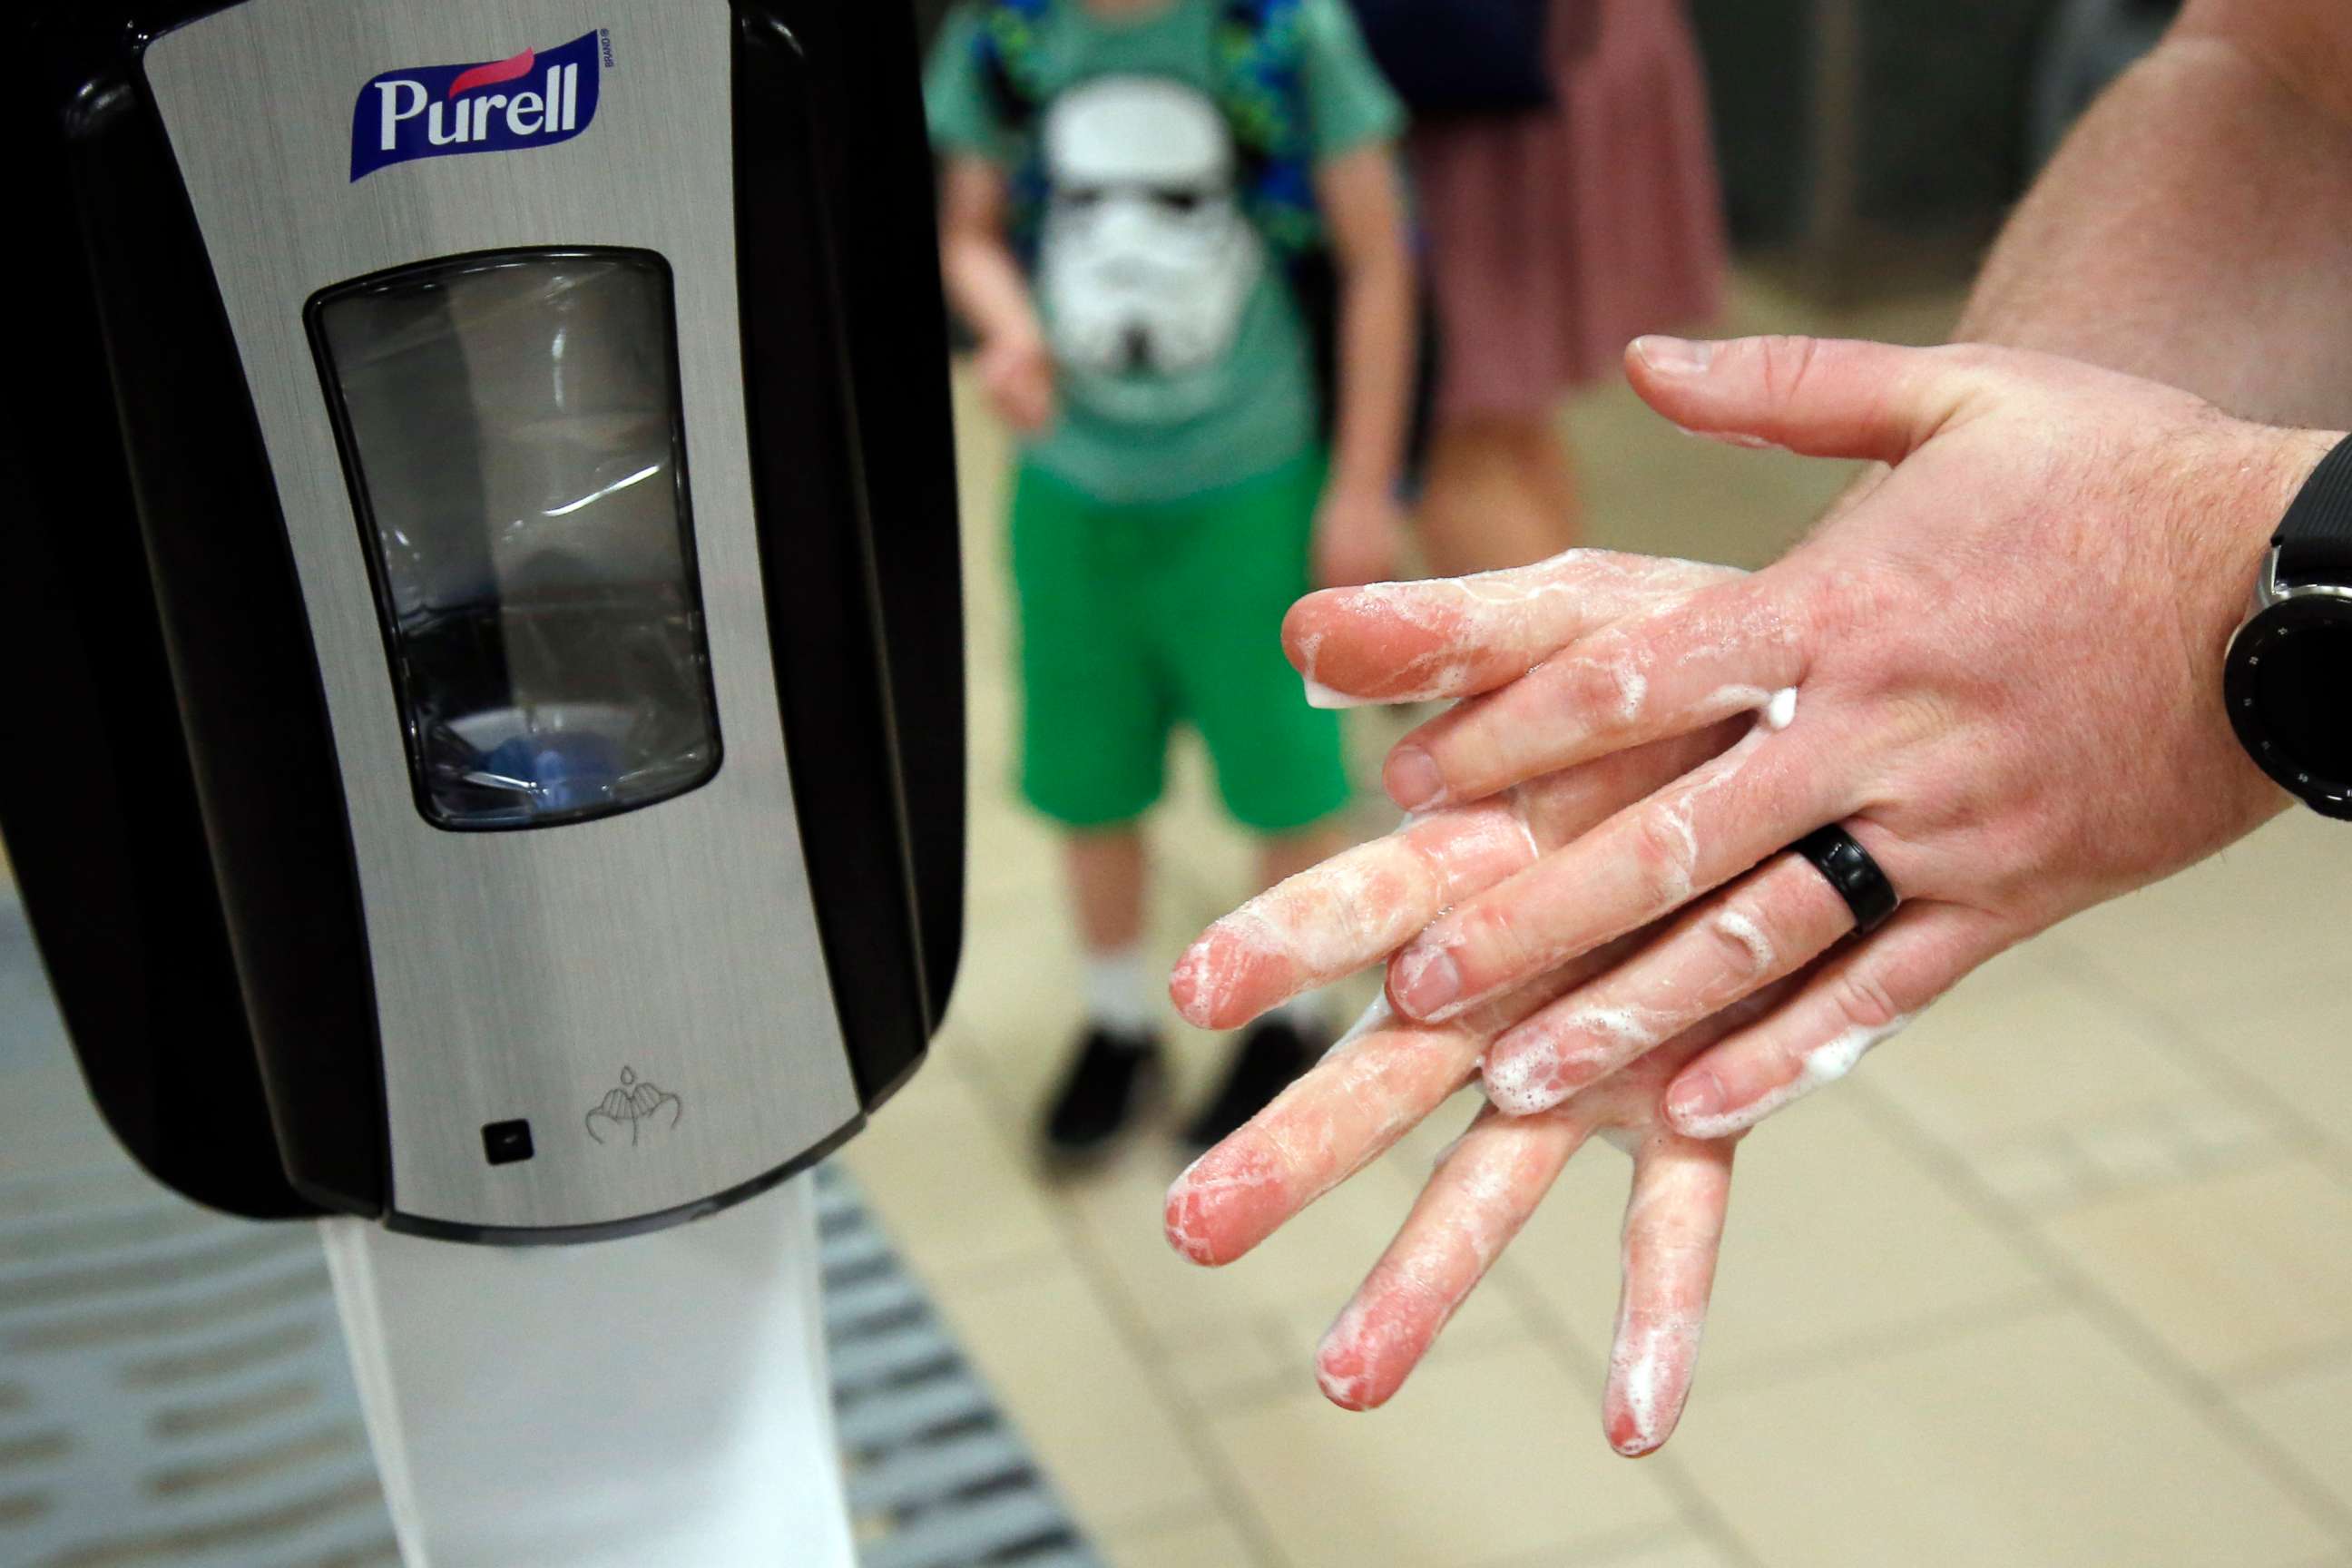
x: 1146, y: 258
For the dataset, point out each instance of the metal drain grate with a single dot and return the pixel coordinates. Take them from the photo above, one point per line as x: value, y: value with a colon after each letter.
x: 173, y: 1389
x: 938, y: 1477
x: 174, y: 1392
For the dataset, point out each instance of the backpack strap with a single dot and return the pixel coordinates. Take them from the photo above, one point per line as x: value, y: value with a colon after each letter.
x: 1005, y: 50
x: 1262, y: 63
x: 1005, y: 46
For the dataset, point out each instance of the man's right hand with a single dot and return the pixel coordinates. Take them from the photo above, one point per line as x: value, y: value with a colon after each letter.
x: 1016, y: 371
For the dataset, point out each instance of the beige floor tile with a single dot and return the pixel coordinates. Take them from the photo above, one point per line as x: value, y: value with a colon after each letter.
x: 1836, y: 1238
x: 1483, y: 1458
x: 2034, y: 1173
x: 2291, y: 1039
x: 2310, y: 1416
x: 2230, y: 1271
x: 1209, y: 1543
x: 2031, y: 1442
x: 1683, y: 1552
x: 2019, y: 1055
x: 2136, y: 1151
x: 947, y: 1191
x: 1014, y: 864
x: 2268, y: 913
x: 1250, y: 1365
x: 1676, y: 1549
x: 1099, y: 1423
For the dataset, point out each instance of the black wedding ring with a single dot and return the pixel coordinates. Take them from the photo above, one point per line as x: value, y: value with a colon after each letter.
x: 1838, y: 856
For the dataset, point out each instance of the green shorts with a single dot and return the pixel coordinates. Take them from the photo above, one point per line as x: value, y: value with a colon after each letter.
x: 1136, y: 618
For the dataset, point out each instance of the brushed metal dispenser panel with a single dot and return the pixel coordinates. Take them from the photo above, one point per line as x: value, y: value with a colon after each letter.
x: 644, y: 988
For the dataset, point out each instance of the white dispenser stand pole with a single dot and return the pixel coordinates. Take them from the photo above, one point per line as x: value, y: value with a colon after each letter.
x: 648, y: 1403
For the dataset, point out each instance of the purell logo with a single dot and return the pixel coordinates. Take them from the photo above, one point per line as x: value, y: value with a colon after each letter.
x: 531, y: 99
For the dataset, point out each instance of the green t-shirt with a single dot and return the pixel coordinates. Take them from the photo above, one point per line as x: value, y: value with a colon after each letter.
x: 1181, y: 360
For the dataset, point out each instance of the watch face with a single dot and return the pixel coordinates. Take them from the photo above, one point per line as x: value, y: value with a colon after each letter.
x: 2290, y: 693
x: 2303, y: 695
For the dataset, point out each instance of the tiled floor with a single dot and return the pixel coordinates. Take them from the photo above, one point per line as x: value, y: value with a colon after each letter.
x: 2062, y: 1278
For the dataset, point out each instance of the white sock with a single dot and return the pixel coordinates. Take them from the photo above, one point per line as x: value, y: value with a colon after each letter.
x: 1118, y: 992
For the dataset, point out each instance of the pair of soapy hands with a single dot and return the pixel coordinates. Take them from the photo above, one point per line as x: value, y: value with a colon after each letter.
x: 2004, y: 646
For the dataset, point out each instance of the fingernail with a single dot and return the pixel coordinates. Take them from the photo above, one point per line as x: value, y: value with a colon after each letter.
x: 1413, y: 779
x: 1427, y: 980
x: 1697, y: 1097
x: 1674, y: 356
x: 1321, y: 696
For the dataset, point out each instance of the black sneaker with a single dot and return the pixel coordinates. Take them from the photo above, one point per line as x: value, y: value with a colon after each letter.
x: 1112, y: 1077
x: 1269, y: 1056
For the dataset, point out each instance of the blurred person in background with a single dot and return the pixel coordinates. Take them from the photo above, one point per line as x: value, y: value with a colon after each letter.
x: 1557, y: 231
x: 1170, y: 225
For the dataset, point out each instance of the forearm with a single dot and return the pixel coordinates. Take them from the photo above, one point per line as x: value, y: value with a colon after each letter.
x: 1377, y: 333
x: 2196, y: 229
x: 986, y: 287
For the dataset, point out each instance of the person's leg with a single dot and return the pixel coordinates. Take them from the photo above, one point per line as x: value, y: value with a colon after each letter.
x: 1107, y: 874
x: 1285, y: 855
x: 1548, y: 466
x: 1498, y: 491
x: 1280, y: 766
x: 1095, y: 726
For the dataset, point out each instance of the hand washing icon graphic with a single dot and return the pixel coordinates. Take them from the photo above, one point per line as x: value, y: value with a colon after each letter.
x: 636, y: 1112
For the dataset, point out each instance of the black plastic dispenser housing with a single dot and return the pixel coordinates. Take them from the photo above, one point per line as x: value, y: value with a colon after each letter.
x: 487, y: 747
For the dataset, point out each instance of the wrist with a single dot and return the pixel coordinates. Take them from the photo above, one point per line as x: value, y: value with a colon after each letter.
x: 2273, y: 467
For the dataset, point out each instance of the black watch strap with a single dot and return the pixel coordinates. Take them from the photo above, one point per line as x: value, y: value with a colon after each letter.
x: 2315, y: 540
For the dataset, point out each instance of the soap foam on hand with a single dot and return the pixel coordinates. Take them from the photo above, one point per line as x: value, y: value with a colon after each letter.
x: 1454, y: 636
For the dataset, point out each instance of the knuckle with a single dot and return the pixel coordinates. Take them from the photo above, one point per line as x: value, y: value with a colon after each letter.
x: 1742, y: 942
x: 1970, y: 356
x: 1663, y: 852
x: 1784, y: 363
x: 1863, y: 1000
x: 1597, y: 690
x: 1496, y: 940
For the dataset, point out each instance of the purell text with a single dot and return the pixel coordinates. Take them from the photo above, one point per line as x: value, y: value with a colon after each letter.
x: 535, y: 99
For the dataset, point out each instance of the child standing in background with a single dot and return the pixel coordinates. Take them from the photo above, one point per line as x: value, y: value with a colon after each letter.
x: 1154, y: 215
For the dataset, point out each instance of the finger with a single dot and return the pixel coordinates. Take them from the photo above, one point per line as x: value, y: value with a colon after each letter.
x: 1418, y: 642
x: 1359, y: 906
x: 1485, y: 1186
x: 1768, y: 925
x: 1640, y: 865
x: 1674, y: 1230
x: 1690, y: 663
x: 1856, y: 1001
x: 1370, y: 1089
x: 1824, y: 398
x: 1483, y: 1191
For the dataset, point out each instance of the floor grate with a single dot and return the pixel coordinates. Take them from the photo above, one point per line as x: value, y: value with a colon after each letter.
x: 938, y: 1477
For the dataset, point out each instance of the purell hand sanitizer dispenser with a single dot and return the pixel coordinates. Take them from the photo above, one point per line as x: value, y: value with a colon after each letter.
x: 483, y: 541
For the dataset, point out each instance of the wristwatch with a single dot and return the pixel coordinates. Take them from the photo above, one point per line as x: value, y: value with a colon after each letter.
x: 2289, y: 675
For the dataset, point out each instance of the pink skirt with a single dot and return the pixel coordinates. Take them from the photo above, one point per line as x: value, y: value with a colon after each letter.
x: 1555, y: 237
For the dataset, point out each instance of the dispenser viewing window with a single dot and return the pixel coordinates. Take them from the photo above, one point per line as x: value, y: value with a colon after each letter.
x: 511, y: 431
